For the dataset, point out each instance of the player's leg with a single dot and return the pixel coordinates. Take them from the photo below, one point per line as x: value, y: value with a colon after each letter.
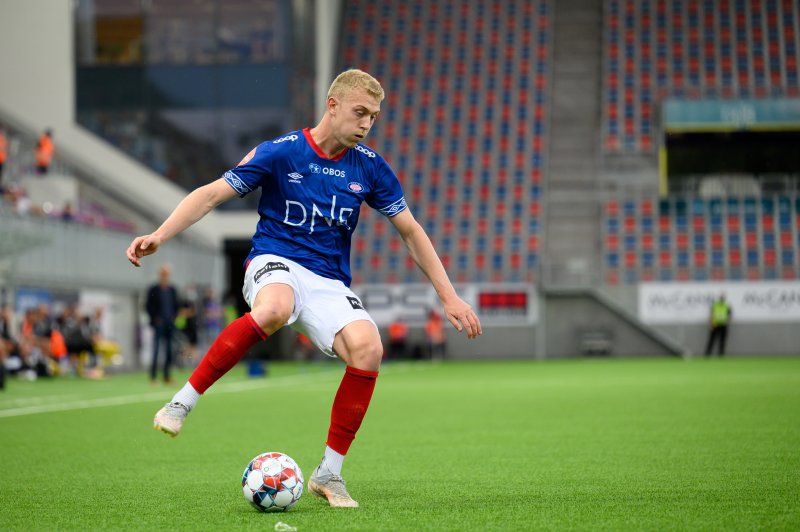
x: 271, y: 309
x: 359, y: 345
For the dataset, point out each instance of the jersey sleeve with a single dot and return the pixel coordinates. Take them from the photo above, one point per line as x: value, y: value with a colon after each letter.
x: 252, y: 171
x: 386, y: 195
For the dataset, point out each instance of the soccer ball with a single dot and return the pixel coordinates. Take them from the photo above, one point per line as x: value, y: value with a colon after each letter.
x: 272, y: 482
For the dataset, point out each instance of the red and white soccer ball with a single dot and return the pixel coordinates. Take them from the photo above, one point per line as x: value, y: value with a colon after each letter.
x: 272, y: 482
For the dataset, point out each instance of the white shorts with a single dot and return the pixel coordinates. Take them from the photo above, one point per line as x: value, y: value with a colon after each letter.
x: 322, y: 306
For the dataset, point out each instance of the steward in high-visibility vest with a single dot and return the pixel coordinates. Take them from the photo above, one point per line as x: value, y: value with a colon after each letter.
x: 720, y: 313
x: 720, y: 317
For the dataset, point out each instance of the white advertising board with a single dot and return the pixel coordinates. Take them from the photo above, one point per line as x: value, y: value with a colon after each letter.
x: 757, y: 301
x: 511, y: 304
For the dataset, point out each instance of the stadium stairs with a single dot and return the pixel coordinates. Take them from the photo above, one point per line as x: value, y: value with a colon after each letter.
x: 576, y: 317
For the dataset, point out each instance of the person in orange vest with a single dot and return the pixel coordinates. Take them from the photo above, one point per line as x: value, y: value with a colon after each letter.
x: 44, y: 152
x: 3, y: 153
x: 437, y: 339
x: 398, y: 338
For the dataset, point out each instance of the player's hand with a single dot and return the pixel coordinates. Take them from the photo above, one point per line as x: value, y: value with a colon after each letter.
x: 463, y: 317
x: 141, y: 247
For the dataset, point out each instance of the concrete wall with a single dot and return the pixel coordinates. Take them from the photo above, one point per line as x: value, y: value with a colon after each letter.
x: 568, y: 316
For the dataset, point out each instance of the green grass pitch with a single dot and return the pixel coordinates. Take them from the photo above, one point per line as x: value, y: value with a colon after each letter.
x: 650, y: 444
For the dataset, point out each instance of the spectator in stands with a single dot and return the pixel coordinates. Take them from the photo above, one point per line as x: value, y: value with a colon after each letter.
x: 162, y: 308
x: 18, y: 197
x: 437, y: 339
x: 78, y: 338
x: 718, y: 326
x: 44, y: 152
x: 398, y: 338
x: 3, y: 156
x: 67, y: 214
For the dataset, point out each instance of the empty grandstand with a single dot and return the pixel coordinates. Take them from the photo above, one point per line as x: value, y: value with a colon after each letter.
x: 575, y: 155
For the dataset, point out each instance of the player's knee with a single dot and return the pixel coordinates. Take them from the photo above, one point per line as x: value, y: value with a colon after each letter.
x: 271, y: 316
x: 367, y: 355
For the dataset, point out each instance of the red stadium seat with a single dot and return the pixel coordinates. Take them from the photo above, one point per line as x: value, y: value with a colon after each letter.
x: 700, y: 258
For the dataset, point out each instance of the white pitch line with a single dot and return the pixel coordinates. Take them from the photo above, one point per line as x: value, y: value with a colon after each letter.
x: 234, y: 387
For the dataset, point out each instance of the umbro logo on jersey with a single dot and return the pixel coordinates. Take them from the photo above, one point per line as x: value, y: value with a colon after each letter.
x: 294, y: 177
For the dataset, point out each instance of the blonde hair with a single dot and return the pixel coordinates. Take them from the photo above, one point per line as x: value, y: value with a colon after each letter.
x: 355, y: 79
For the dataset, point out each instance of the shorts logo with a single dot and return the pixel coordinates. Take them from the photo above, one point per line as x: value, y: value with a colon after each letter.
x: 269, y: 268
x: 355, y: 187
x: 355, y: 303
x: 315, y: 168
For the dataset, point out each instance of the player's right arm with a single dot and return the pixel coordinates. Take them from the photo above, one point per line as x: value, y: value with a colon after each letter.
x: 191, y: 209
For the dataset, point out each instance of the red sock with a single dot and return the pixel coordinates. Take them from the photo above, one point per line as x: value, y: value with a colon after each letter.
x: 349, y: 407
x: 228, y: 349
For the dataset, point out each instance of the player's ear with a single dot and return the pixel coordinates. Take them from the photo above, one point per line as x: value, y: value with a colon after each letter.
x: 333, y: 104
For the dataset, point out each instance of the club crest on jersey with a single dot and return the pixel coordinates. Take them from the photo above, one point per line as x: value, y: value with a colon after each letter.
x: 294, y: 177
x: 355, y: 187
x: 315, y: 168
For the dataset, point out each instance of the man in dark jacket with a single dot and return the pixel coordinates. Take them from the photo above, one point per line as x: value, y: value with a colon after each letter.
x: 162, y: 307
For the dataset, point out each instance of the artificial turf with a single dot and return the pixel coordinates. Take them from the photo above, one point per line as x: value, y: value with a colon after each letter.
x: 646, y: 444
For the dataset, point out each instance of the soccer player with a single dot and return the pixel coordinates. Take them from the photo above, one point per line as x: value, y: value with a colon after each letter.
x: 313, y: 183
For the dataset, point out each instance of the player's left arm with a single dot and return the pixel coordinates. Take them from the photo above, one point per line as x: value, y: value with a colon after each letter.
x: 421, y: 250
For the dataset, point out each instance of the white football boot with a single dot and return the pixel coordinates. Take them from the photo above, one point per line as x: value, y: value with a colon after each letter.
x: 169, y: 419
x: 332, y: 488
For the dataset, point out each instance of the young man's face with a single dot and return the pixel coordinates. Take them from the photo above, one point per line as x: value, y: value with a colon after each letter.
x: 353, y: 116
